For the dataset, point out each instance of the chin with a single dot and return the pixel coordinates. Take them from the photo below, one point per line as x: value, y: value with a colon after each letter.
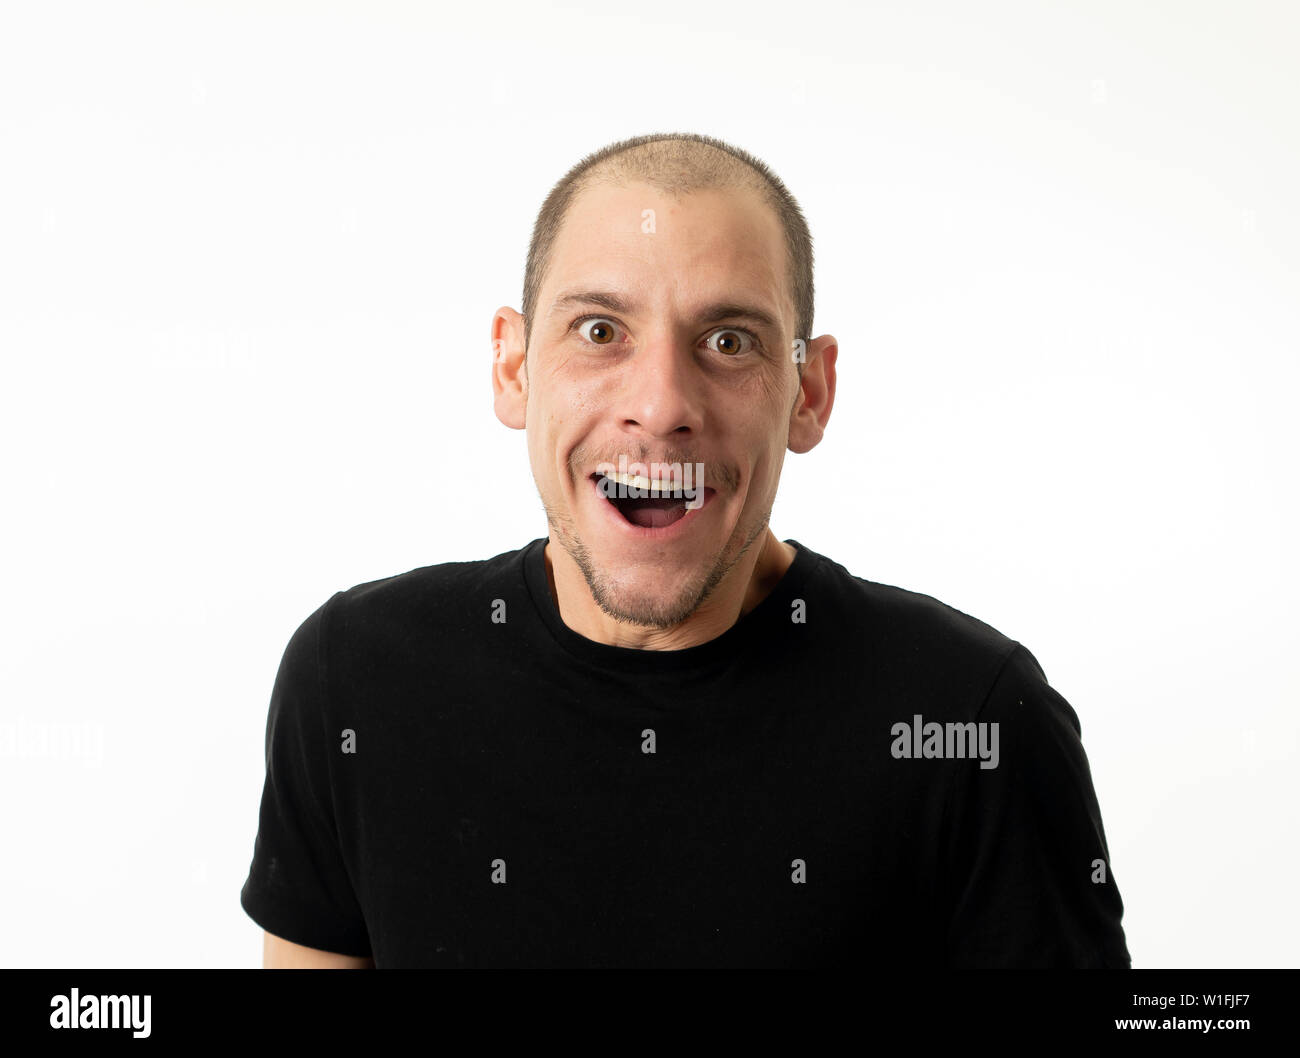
x: 643, y: 600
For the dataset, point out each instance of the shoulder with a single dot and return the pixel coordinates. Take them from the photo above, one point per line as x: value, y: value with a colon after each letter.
x: 444, y: 591
x: 913, y: 616
x: 375, y: 621
x: 919, y: 636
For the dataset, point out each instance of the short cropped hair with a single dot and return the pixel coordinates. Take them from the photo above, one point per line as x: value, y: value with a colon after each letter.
x: 675, y: 163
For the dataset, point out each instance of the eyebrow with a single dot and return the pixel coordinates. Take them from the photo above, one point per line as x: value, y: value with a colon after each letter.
x: 721, y: 310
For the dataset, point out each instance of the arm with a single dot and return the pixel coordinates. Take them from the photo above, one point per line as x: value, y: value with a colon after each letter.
x: 298, y: 881
x: 1028, y: 876
x: 281, y: 954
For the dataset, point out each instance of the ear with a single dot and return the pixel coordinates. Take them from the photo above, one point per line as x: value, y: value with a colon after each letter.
x: 812, y: 409
x: 509, y: 368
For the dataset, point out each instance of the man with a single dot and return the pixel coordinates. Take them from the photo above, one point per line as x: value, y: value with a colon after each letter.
x: 661, y: 736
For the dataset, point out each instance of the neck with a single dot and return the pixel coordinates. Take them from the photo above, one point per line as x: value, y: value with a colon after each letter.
x: 747, y: 584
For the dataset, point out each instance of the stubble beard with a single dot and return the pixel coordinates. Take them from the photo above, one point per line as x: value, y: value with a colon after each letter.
x: 637, y: 610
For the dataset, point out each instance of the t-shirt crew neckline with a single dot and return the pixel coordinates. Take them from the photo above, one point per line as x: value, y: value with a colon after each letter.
x: 742, y: 636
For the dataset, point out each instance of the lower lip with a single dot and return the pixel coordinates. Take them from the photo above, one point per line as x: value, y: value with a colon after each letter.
x: 637, y: 532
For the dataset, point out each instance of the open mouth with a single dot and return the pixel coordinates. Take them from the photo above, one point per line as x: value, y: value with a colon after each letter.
x: 657, y: 507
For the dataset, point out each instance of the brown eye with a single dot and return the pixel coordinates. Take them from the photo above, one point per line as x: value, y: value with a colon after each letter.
x: 598, y: 331
x: 729, y: 343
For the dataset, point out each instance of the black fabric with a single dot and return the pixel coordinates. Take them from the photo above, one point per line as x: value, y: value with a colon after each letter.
x: 482, y: 746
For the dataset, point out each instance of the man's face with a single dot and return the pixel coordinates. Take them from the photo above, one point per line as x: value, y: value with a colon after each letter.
x: 676, y: 371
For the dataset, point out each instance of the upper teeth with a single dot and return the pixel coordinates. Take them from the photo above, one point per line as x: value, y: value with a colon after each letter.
x: 637, y: 481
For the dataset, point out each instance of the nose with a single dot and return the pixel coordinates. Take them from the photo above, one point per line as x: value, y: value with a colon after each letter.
x: 661, y: 395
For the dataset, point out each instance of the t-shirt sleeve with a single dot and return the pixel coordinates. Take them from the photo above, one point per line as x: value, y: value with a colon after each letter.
x: 298, y: 885
x: 1028, y: 877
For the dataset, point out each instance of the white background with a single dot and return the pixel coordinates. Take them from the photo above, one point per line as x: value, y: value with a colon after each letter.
x: 249, y: 256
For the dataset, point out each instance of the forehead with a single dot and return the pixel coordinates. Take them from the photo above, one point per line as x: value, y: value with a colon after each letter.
x: 700, y: 246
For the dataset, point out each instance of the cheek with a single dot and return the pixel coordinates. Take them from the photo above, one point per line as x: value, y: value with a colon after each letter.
x: 763, y: 425
x: 574, y: 411
x: 769, y: 454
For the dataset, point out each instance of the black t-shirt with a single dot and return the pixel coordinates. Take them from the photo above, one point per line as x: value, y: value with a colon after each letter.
x: 457, y: 778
